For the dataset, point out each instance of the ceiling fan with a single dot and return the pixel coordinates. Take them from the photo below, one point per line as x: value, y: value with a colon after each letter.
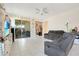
x: 42, y: 11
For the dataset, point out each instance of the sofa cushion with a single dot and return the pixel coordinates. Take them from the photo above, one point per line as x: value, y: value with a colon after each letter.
x: 54, y: 35
x: 54, y: 51
x: 66, y: 35
x: 67, y: 43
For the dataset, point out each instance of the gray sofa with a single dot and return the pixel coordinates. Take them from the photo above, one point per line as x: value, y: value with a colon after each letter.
x: 61, y: 48
x: 54, y: 34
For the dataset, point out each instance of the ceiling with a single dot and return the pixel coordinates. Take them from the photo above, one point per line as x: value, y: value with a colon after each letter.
x: 29, y: 9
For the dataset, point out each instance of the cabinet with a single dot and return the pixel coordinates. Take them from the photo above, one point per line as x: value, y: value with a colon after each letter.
x: 7, y: 45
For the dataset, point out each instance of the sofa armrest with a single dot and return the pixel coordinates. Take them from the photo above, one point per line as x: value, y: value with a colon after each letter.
x: 50, y: 44
x: 54, y: 51
x: 46, y: 35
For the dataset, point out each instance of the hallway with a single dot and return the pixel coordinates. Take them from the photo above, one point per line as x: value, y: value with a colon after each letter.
x: 28, y: 47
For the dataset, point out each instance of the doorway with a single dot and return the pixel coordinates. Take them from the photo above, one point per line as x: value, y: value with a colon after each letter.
x: 38, y: 28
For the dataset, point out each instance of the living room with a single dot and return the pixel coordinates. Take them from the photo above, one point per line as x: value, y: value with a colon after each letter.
x: 41, y: 29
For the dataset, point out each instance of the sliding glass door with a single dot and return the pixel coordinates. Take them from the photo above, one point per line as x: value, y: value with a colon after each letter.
x: 22, y: 29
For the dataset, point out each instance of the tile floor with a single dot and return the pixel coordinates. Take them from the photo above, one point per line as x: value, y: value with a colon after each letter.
x: 28, y: 47
x: 35, y: 47
x: 74, y: 51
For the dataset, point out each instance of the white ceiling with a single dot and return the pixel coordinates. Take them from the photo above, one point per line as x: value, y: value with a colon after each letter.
x: 28, y: 9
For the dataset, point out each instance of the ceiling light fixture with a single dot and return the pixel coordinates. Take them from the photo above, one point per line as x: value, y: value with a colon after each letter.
x: 42, y: 13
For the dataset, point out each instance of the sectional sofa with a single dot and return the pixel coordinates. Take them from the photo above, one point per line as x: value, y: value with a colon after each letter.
x: 61, y: 43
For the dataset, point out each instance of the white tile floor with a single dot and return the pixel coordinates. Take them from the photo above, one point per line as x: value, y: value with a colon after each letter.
x: 74, y: 51
x: 35, y: 47
x: 28, y: 47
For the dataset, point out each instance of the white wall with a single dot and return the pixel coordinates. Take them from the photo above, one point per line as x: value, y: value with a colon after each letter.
x: 57, y: 22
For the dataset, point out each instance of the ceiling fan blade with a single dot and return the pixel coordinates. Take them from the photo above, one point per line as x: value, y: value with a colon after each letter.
x: 37, y: 10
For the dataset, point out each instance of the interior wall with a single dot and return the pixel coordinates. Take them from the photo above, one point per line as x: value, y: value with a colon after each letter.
x: 45, y: 26
x: 58, y: 22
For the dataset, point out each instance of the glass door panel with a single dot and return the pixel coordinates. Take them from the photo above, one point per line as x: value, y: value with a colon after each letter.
x: 18, y: 29
x: 25, y: 28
